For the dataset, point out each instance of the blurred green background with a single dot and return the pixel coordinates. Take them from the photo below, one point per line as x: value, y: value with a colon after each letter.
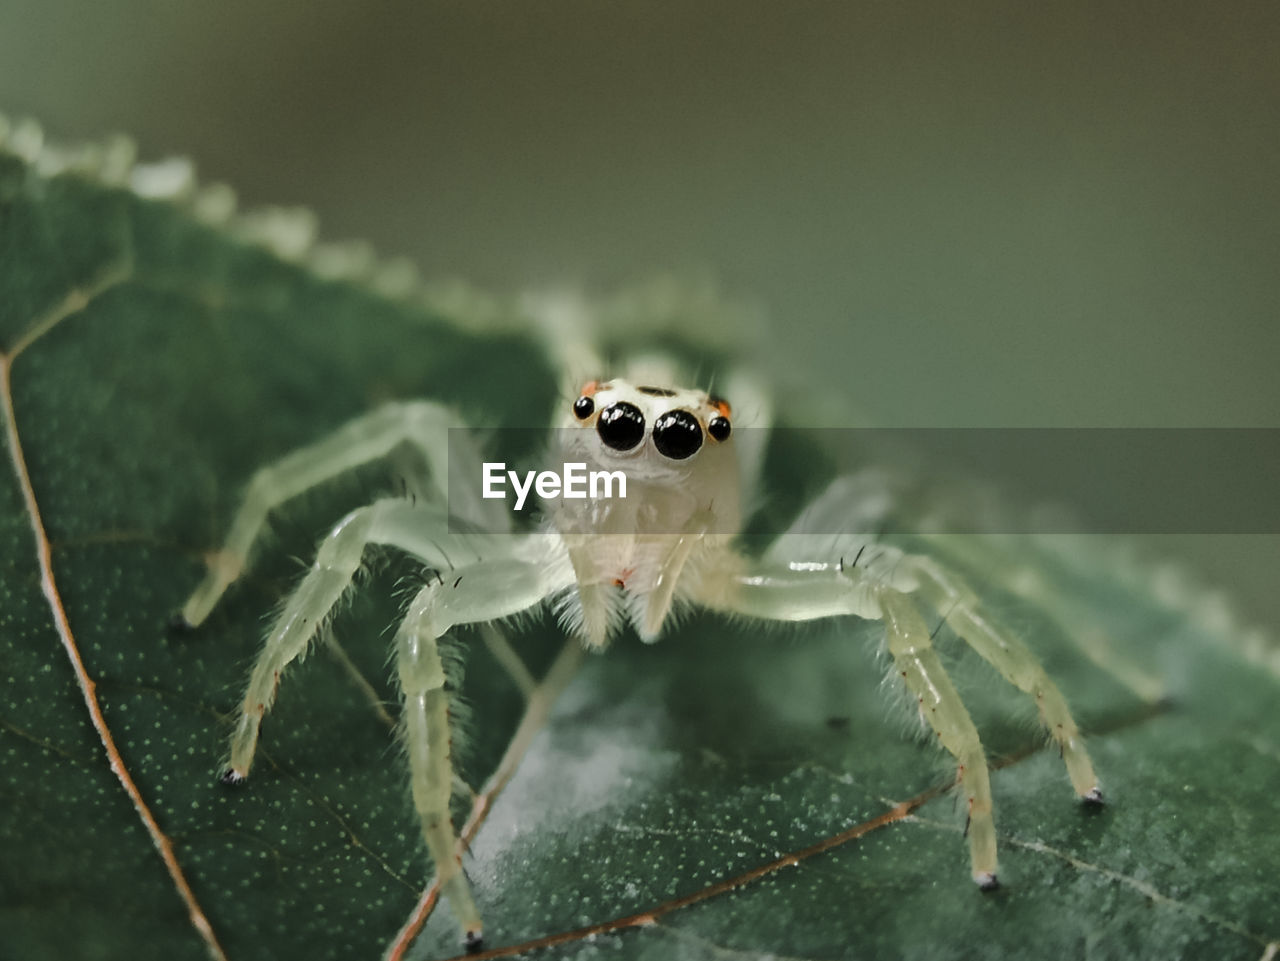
x: 957, y: 215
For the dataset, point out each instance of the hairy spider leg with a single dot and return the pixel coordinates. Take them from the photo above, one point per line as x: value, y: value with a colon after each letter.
x: 417, y: 529
x: 422, y: 424
x: 942, y: 707
x: 1008, y: 655
x: 994, y: 556
x: 867, y: 500
x: 956, y: 604
x: 770, y: 590
x: 485, y: 591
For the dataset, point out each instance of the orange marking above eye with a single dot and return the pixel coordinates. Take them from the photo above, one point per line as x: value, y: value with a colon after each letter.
x: 722, y: 405
x: 590, y: 387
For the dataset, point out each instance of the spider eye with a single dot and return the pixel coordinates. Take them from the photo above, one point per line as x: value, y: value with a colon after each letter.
x: 583, y: 408
x: 677, y: 434
x: 621, y: 426
x: 719, y: 428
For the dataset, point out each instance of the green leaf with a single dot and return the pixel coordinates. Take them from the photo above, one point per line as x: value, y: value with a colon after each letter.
x: 664, y: 771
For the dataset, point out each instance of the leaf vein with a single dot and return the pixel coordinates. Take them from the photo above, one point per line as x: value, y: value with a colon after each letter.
x: 75, y: 301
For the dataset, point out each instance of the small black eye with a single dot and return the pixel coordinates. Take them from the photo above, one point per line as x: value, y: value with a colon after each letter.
x: 621, y: 425
x: 583, y: 407
x: 677, y: 434
x: 718, y: 428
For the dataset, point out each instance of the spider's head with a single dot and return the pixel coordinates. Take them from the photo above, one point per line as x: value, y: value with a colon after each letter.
x: 674, y: 444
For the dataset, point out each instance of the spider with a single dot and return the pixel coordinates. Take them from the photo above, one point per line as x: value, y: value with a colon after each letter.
x: 605, y: 565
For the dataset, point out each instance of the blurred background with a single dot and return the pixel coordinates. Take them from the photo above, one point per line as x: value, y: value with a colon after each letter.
x: 957, y: 215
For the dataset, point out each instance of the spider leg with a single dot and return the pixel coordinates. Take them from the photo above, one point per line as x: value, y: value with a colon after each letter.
x: 867, y: 500
x: 996, y: 557
x: 941, y: 706
x: 422, y: 424
x: 771, y: 590
x: 482, y: 592
x: 1014, y: 661
x: 398, y: 523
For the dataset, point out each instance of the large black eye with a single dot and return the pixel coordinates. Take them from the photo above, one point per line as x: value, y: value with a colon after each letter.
x: 583, y: 407
x: 677, y: 434
x: 621, y: 425
x: 719, y: 428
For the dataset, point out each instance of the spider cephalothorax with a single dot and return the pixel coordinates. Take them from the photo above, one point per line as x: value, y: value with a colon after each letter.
x: 630, y: 554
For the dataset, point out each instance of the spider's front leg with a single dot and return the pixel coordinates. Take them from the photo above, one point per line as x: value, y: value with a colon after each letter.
x: 482, y: 592
x: 474, y: 578
x: 773, y: 590
x: 337, y: 560
x: 417, y: 529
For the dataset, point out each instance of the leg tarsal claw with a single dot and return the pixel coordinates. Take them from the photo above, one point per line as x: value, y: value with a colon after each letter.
x: 178, y: 623
x: 473, y: 942
x: 986, y: 881
x: 231, y: 777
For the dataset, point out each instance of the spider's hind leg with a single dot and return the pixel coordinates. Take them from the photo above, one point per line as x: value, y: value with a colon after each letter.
x: 1000, y: 559
x: 917, y: 663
